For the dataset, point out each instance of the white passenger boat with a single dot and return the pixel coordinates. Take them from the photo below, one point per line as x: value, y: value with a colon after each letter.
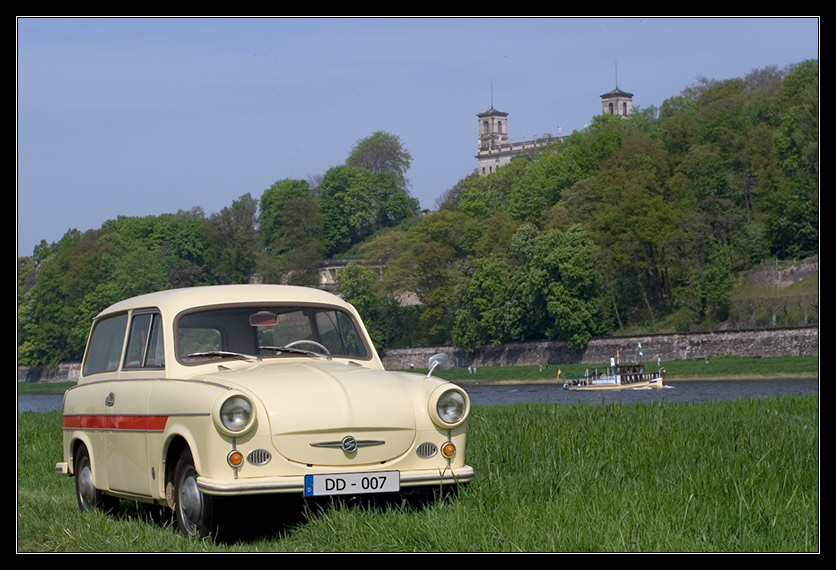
x: 618, y: 376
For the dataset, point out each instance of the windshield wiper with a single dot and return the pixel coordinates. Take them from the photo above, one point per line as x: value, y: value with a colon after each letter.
x: 295, y: 351
x: 224, y: 354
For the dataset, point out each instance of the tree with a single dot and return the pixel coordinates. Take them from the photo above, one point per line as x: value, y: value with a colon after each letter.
x: 793, y: 210
x: 449, y: 199
x: 272, y: 224
x: 70, y: 281
x: 382, y: 152
x: 480, y: 301
x: 347, y: 206
x: 235, y: 241
x: 51, y: 321
x: 715, y: 286
x: 547, y: 287
x: 358, y: 285
x: 420, y: 264
x: 482, y: 196
x: 417, y: 260
x: 356, y: 202
x: 291, y: 227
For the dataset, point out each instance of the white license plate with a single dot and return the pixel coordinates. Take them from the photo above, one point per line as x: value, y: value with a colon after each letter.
x: 352, y: 483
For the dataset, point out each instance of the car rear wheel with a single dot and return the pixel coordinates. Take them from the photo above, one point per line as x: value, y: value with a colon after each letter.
x: 195, y: 511
x: 89, y: 498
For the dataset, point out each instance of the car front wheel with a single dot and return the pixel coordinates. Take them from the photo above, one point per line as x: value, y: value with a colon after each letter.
x: 195, y: 511
x: 89, y: 498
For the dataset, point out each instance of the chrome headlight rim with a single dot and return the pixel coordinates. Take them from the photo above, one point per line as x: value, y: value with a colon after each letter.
x: 446, y: 396
x: 234, y: 414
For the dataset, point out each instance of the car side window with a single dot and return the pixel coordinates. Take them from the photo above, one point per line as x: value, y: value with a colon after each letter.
x: 145, y: 343
x: 105, y: 346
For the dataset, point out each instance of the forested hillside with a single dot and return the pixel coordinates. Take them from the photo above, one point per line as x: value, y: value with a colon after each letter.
x: 642, y: 224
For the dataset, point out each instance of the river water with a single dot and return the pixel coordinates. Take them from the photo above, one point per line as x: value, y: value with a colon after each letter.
x: 691, y: 391
x: 555, y: 394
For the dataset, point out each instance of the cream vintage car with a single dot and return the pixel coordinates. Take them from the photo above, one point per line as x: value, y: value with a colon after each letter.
x: 190, y: 396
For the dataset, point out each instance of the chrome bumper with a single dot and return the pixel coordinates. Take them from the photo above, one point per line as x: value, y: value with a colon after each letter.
x: 268, y: 485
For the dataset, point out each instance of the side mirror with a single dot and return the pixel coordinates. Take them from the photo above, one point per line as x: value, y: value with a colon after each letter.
x: 440, y: 361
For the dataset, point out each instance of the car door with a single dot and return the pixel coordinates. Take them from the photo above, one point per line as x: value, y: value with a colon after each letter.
x: 85, y: 411
x: 129, y: 468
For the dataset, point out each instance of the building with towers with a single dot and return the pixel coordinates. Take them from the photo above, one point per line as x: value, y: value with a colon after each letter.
x: 496, y: 148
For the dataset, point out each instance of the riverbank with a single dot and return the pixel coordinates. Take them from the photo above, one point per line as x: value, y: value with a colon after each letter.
x: 723, y: 368
x: 728, y: 368
x: 720, y: 378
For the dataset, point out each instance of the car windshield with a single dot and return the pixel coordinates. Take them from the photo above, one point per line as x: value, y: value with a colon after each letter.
x: 267, y: 331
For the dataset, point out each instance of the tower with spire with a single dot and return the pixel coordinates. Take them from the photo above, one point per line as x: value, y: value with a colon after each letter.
x: 617, y: 102
x: 493, y: 129
x: 496, y: 148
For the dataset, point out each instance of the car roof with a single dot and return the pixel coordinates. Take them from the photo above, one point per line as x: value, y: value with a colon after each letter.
x: 176, y: 300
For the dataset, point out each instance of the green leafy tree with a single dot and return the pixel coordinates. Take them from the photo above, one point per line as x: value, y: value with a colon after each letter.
x: 356, y: 202
x: 483, y: 196
x: 420, y: 265
x: 480, y: 300
x: 560, y: 280
x: 49, y: 319
x: 358, y: 285
x: 792, y: 223
x: 272, y: 220
x: 715, y: 287
x: 419, y: 259
x: 234, y: 241
x: 347, y: 206
x: 291, y: 227
x: 382, y: 152
x: 69, y: 282
x: 449, y: 199
x: 547, y: 287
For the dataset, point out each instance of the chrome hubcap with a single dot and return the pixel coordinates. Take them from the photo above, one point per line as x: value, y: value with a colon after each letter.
x: 86, y: 490
x: 191, y: 500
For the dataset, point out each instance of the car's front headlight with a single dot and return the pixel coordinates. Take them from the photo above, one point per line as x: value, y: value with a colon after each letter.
x: 234, y: 414
x: 449, y: 406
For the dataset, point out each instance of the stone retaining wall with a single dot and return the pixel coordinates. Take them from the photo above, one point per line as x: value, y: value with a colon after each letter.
x: 780, y: 342
x: 65, y: 373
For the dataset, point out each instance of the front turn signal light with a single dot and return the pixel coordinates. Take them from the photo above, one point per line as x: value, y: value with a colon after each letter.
x: 448, y: 450
x: 235, y: 458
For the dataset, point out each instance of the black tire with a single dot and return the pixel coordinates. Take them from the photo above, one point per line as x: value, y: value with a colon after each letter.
x: 194, y: 511
x: 89, y: 498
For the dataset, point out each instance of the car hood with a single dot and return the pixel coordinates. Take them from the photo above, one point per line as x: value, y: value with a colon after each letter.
x: 312, y: 405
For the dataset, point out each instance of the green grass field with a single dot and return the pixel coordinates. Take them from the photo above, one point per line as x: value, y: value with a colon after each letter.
x: 738, y: 476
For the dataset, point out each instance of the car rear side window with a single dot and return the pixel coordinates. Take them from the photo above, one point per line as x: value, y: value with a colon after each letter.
x: 105, y: 347
x: 145, y: 343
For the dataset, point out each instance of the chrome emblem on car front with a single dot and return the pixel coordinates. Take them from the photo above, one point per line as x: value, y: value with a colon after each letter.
x: 349, y: 443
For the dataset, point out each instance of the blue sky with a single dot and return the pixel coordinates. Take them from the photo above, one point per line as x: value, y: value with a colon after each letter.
x: 141, y: 117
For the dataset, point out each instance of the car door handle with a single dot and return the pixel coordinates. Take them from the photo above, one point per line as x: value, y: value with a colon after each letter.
x: 109, y: 400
